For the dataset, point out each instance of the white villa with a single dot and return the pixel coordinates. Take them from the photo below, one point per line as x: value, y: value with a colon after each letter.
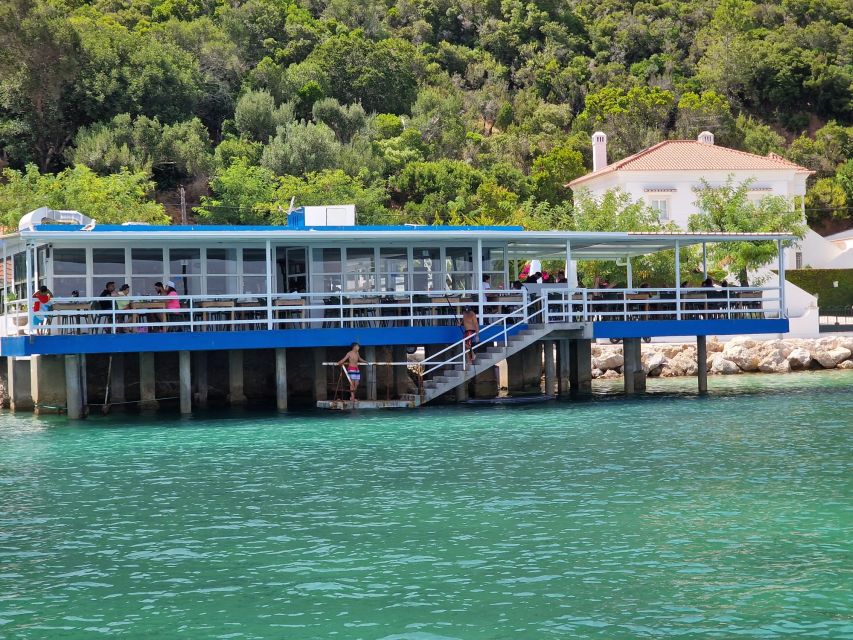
x: 666, y: 174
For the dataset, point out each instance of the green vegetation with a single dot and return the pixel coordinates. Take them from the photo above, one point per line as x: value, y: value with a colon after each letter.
x: 440, y: 110
x: 820, y: 282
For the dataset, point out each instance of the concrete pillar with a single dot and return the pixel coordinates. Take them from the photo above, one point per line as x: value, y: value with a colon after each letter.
x: 236, y: 396
x: 73, y: 391
x: 702, y: 362
x: 370, y: 372
x: 485, y: 383
x: 281, y: 379
x: 580, y: 366
x: 563, y: 368
x: 47, y: 383
x: 201, y: 385
x: 525, y: 369
x: 147, y: 393
x: 632, y: 369
x: 185, y: 382
x: 117, y: 387
x: 18, y: 380
x: 321, y: 391
x: 550, y: 368
x: 400, y: 373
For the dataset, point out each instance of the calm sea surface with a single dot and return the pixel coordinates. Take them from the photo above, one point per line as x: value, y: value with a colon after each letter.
x: 669, y: 516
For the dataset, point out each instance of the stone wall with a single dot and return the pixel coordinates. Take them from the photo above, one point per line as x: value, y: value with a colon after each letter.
x: 738, y: 355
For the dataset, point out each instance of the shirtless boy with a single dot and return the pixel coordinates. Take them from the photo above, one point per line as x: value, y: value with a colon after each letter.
x: 351, y: 360
x: 471, y: 328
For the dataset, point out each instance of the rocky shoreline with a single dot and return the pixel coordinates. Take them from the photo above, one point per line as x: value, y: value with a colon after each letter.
x: 737, y: 355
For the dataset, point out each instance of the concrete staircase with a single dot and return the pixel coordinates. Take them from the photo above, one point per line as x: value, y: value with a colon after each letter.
x: 453, y: 375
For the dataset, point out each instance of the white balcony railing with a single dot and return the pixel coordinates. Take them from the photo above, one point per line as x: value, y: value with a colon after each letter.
x: 552, y: 303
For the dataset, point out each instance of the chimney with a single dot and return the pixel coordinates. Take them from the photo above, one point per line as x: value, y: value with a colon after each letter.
x: 599, y: 150
x: 706, y: 137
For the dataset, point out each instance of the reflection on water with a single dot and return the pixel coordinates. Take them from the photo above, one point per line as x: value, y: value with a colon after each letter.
x: 668, y: 515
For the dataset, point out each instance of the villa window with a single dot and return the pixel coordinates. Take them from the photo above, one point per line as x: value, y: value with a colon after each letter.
x: 459, y: 266
x: 426, y: 269
x: 661, y: 206
x: 221, y: 271
x: 254, y: 271
x: 185, y: 271
x: 493, y: 266
x: 69, y: 272
x: 146, y: 269
x: 798, y: 260
x: 109, y: 265
x: 360, y: 269
x: 326, y: 270
x: 394, y: 269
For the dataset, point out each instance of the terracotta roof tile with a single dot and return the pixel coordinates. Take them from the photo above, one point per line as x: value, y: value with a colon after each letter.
x: 691, y: 155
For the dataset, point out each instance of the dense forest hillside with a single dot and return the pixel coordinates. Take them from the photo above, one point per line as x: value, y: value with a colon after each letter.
x: 416, y: 110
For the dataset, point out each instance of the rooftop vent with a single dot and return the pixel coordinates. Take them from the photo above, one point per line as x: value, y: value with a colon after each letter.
x: 706, y: 137
x: 46, y: 215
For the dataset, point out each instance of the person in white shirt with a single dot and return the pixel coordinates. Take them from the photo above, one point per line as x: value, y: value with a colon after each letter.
x: 487, y: 282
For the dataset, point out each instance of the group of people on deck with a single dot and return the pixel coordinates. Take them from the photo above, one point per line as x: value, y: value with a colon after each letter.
x: 43, y: 302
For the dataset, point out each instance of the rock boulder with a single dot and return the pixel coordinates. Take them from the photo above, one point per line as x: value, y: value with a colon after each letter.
x: 720, y: 365
x: 799, y: 358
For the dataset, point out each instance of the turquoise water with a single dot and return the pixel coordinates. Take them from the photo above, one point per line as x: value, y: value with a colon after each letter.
x: 667, y: 516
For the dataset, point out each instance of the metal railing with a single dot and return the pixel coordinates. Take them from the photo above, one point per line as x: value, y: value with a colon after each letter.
x: 140, y: 314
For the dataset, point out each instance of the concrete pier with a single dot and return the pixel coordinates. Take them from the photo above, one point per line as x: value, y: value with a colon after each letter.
x: 400, y: 373
x: 632, y: 368
x: 18, y: 381
x: 47, y: 384
x: 200, y: 379
x: 321, y: 385
x: 281, y: 379
x: 525, y: 370
x: 117, y: 393
x: 73, y: 392
x: 580, y: 367
x: 147, y: 388
x: 236, y: 395
x: 485, y: 383
x: 185, y: 382
x: 563, y: 368
x: 702, y: 363
x: 370, y: 373
x: 550, y: 367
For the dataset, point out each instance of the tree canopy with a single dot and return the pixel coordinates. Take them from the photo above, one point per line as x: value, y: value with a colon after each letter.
x: 436, y: 110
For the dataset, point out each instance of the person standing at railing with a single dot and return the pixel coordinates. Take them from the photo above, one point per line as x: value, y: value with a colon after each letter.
x: 351, y: 362
x: 42, y: 304
x: 123, y: 304
x: 470, y: 330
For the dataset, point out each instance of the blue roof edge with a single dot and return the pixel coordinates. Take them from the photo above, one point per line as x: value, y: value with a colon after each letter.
x: 108, y: 228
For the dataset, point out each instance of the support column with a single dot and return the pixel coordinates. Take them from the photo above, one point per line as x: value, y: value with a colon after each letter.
x: 147, y: 394
x: 236, y: 396
x: 550, y: 368
x: 18, y: 380
x: 702, y: 363
x: 632, y: 369
x: 281, y: 379
x: 563, y: 368
x: 47, y: 384
x: 186, y: 382
x: 370, y: 372
x: 400, y: 373
x: 524, y: 369
x: 486, y: 383
x: 73, y: 392
x: 117, y: 387
x: 201, y: 386
x: 321, y: 390
x: 580, y: 368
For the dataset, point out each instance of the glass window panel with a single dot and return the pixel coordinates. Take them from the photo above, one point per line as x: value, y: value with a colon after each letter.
x: 143, y: 285
x: 221, y: 285
x: 327, y: 260
x: 426, y: 269
x: 187, y: 286
x: 459, y: 259
x: 147, y: 261
x: 184, y: 262
x: 69, y: 262
x: 360, y: 260
x: 255, y: 261
x: 255, y: 284
x: 360, y: 281
x: 222, y: 261
x: 64, y: 286
x: 497, y: 280
x: 20, y: 267
x: 108, y: 262
x: 326, y: 283
x: 493, y: 259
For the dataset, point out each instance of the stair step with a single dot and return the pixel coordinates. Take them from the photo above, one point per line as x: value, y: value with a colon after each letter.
x: 411, y: 397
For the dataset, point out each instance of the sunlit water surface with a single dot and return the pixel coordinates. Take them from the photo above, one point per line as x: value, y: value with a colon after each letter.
x: 666, y: 516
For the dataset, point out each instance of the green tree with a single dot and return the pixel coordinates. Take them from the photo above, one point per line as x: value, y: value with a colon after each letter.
x: 257, y: 117
x: 301, y: 147
x: 826, y: 198
x: 727, y: 209
x: 551, y: 172
x: 345, y: 121
x: 241, y: 194
x: 113, y: 199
